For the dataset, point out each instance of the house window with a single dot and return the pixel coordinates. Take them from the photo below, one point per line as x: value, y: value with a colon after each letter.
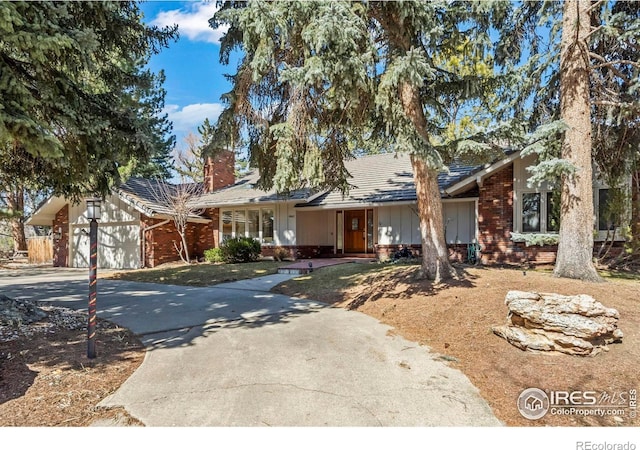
x: 605, y: 219
x: 369, y: 230
x: 553, y: 212
x: 531, y: 212
x: 339, y: 231
x: 227, y: 225
x: 254, y: 223
x: 267, y: 225
x: 240, y: 221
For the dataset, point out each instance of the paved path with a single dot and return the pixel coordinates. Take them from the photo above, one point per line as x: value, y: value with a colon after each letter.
x: 239, y: 355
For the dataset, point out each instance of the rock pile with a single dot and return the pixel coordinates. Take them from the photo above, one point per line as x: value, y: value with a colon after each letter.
x: 577, y: 324
x: 17, y: 312
x: 25, y: 317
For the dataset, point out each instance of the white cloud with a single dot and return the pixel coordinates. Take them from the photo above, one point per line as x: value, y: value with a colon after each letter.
x: 193, y: 21
x: 191, y: 116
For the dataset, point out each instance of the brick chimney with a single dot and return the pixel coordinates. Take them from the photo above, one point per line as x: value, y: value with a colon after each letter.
x: 219, y: 171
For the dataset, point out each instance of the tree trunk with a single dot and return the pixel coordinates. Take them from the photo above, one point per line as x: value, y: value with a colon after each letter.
x: 575, y: 248
x: 15, y: 203
x: 435, y: 256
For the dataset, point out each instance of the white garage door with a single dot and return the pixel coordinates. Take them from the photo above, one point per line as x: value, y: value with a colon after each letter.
x: 118, y: 246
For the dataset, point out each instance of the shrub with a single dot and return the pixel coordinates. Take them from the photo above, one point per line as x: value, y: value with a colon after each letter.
x: 240, y: 249
x: 213, y: 255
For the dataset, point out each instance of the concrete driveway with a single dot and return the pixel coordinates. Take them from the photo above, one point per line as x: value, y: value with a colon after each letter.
x: 239, y: 355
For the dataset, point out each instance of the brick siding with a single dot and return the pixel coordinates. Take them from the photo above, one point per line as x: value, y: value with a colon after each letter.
x: 219, y: 171
x: 495, y: 217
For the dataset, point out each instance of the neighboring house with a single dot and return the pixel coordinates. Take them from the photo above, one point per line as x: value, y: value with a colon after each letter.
x: 482, y: 205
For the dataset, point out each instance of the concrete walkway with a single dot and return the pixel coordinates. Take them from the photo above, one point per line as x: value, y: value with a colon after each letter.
x: 239, y: 355
x: 303, y: 266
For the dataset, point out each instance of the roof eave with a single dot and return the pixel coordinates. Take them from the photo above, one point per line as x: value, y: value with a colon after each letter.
x: 46, y: 213
x: 134, y: 203
x: 479, y: 176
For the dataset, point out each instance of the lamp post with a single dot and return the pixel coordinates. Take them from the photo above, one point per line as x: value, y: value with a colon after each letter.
x: 93, y: 214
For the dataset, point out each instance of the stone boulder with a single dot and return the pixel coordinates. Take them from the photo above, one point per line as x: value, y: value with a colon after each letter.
x: 575, y: 324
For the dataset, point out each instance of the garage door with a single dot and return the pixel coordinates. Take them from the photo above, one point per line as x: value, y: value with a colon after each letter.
x: 118, y: 246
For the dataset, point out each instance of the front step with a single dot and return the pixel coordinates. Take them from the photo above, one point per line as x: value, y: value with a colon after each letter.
x: 300, y: 271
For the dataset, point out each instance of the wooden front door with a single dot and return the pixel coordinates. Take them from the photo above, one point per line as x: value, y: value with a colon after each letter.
x: 355, y: 231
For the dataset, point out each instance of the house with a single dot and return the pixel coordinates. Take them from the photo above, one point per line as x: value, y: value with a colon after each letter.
x: 482, y: 205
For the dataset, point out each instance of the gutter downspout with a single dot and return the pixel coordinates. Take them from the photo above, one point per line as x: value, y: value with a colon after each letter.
x: 144, y: 239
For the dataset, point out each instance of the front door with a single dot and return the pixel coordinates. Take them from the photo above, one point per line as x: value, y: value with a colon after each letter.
x: 355, y: 234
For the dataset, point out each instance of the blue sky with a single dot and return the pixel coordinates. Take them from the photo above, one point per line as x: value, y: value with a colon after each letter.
x: 194, y: 76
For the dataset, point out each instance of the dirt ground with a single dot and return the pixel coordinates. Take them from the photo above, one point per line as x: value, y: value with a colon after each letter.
x: 455, y: 321
x: 47, y: 380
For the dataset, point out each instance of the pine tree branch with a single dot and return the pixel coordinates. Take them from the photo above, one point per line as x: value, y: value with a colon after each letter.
x: 595, y: 5
x: 611, y: 65
x: 617, y: 62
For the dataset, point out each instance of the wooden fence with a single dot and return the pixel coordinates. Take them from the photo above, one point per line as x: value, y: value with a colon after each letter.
x: 40, y: 249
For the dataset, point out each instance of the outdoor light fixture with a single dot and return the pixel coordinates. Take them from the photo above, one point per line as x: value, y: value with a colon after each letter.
x: 93, y: 208
x: 93, y: 214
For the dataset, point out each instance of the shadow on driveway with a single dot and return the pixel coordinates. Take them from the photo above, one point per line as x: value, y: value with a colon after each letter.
x: 162, y: 315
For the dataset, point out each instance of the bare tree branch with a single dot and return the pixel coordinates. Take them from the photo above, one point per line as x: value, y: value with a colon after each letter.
x: 177, y: 198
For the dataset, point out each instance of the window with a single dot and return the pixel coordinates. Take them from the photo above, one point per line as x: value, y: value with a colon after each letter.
x: 339, y: 231
x: 553, y: 212
x: 227, y: 225
x: 240, y: 222
x: 267, y: 225
x: 254, y: 223
x: 539, y: 212
x: 531, y: 212
x: 605, y: 216
x: 370, y: 230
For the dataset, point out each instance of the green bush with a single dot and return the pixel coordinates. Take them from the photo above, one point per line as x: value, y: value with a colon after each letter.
x: 214, y: 255
x: 240, y: 249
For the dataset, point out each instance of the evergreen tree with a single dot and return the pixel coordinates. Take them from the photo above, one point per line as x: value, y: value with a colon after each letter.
x: 78, y: 105
x: 322, y: 81
x: 615, y: 79
x: 575, y: 247
x: 590, y: 52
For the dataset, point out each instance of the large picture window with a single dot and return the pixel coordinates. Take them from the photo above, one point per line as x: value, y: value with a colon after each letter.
x: 254, y: 223
x: 539, y: 212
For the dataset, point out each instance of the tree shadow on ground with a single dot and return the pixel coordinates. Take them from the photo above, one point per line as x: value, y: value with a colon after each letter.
x: 188, y: 336
x: 404, y: 283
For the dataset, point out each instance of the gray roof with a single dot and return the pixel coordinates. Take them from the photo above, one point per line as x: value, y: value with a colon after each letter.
x: 145, y: 195
x: 386, y: 178
x: 244, y: 191
x: 374, y: 179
